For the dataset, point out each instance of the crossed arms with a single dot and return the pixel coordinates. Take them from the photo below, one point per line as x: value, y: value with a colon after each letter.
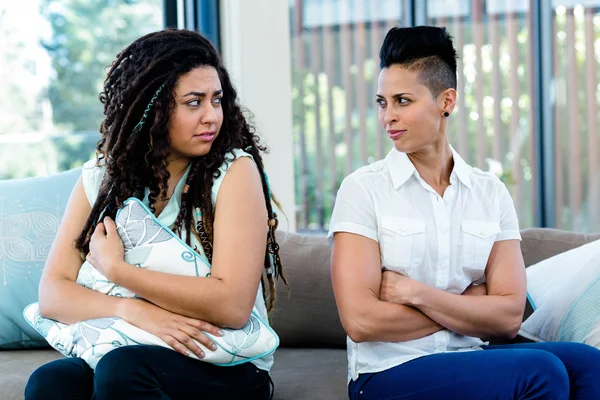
x: 388, y: 307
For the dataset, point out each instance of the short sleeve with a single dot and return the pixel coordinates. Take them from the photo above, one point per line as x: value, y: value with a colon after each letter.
x: 91, y: 176
x: 509, y: 223
x: 354, y: 211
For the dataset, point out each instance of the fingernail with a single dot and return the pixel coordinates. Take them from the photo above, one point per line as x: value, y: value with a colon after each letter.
x: 220, y: 332
x: 202, y: 354
x: 213, y: 347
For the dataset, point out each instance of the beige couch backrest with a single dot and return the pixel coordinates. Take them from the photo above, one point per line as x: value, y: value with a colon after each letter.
x: 308, y: 317
x: 540, y: 244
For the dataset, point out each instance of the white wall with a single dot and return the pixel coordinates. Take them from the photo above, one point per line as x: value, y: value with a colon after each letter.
x: 255, y: 43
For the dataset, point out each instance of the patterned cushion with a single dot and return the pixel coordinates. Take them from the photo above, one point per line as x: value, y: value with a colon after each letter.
x: 30, y: 212
x: 148, y: 245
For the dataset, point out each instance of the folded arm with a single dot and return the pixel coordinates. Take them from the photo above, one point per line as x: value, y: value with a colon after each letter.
x: 60, y: 298
x: 356, y: 276
x: 63, y: 300
x: 499, y: 313
x: 227, y: 297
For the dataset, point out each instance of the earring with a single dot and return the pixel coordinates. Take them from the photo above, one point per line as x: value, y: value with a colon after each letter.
x: 446, y: 114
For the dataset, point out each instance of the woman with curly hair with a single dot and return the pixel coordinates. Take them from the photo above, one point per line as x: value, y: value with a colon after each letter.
x: 175, y: 137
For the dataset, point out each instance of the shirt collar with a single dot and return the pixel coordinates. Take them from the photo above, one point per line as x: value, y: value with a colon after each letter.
x: 401, y: 168
x: 461, y: 169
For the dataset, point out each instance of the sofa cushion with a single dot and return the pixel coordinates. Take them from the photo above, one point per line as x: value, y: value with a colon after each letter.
x: 30, y: 212
x: 310, y: 374
x: 542, y: 243
x: 303, y: 374
x: 310, y: 306
x: 16, y: 367
x: 565, y: 289
x: 308, y: 316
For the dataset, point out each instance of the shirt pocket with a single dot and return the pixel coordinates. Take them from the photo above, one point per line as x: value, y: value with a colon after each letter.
x: 478, y: 237
x: 402, y: 243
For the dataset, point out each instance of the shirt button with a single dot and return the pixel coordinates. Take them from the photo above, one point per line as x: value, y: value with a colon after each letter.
x: 444, y: 230
x: 444, y: 266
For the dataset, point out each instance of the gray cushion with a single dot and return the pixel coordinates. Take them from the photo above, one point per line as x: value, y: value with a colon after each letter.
x: 303, y: 374
x: 16, y: 367
x: 310, y: 306
x: 310, y: 374
x: 541, y: 243
x: 308, y: 316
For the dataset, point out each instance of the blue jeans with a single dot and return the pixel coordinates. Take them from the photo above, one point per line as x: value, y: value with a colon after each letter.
x: 146, y: 372
x: 557, y: 371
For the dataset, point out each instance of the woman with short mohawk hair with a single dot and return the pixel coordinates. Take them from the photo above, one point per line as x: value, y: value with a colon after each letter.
x: 175, y: 137
x: 426, y: 257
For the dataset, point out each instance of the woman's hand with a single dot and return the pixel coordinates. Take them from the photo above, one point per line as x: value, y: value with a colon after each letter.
x: 397, y: 288
x: 106, y: 249
x: 175, y: 330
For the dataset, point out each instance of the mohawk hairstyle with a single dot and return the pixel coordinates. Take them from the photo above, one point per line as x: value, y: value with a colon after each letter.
x: 425, y: 49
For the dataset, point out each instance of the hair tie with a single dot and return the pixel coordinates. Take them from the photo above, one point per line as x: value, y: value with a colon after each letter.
x: 268, y: 184
x: 146, y: 111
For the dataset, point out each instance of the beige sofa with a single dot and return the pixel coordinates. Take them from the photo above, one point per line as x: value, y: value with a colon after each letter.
x: 311, y: 361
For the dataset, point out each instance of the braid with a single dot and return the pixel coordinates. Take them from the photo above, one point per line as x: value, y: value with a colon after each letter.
x: 273, y: 263
x: 187, y: 205
x: 204, y: 211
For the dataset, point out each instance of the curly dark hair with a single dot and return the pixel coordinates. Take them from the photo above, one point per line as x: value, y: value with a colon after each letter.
x: 135, y: 156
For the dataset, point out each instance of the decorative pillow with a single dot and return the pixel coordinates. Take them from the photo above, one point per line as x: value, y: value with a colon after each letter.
x: 565, y: 293
x: 30, y: 213
x: 148, y: 245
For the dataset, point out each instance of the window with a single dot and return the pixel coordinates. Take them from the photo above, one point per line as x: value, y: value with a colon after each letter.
x: 501, y: 104
x: 577, y: 158
x: 53, y: 56
x: 335, y: 63
x: 492, y: 125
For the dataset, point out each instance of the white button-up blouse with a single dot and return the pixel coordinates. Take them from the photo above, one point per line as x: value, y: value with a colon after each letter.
x: 444, y: 241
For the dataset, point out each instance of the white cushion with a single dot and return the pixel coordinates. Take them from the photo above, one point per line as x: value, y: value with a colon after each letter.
x: 565, y: 293
x: 152, y: 246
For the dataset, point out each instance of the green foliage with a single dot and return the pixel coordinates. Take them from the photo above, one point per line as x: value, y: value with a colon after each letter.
x: 512, y: 135
x: 87, y: 35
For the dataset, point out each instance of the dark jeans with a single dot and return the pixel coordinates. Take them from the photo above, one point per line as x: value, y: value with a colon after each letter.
x: 549, y: 371
x: 149, y: 373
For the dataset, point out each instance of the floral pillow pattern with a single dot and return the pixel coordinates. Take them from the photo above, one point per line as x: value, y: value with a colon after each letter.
x: 148, y: 245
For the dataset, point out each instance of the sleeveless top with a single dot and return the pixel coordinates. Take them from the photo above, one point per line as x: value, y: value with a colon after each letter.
x: 92, y: 176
